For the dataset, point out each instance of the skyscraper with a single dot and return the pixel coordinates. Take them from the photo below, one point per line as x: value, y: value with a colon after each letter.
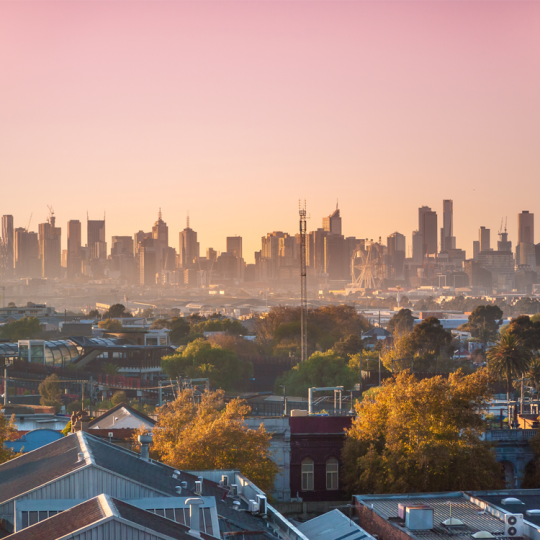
x: 27, y: 263
x: 7, y: 244
x: 396, y: 254
x: 332, y: 223
x: 50, y: 248
x: 417, y: 247
x: 96, y: 238
x: 160, y: 233
x: 74, y: 258
x: 188, y: 252
x: 525, y: 246
x: 427, y: 226
x: 484, y: 237
x: 448, y: 240
x: 234, y: 245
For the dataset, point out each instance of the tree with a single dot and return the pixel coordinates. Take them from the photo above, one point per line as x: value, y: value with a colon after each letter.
x: 94, y: 313
x: 484, y: 322
x: 527, y: 330
x: 116, y: 311
x: 202, y: 359
x: 237, y: 344
x: 349, y: 346
x: 180, y: 328
x: 119, y: 397
x: 25, y: 328
x: 110, y: 369
x: 12, y: 304
x: 111, y: 325
x: 509, y: 358
x: 533, y: 375
x: 8, y: 432
x: 212, y: 435
x: 219, y: 325
x: 159, y: 324
x: 320, y: 369
x: 422, y: 436
x: 402, y: 322
x: 50, y: 392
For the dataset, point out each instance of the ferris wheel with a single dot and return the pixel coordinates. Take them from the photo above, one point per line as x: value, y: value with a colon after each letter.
x: 367, y: 268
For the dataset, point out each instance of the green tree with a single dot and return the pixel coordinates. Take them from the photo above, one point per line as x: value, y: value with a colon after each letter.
x: 527, y: 330
x: 349, y: 346
x: 12, y: 304
x: 320, y: 369
x: 25, y: 328
x: 180, y: 328
x: 110, y: 369
x: 484, y: 322
x: 148, y: 312
x: 422, y: 436
x: 111, y: 325
x: 159, y: 324
x: 219, y: 325
x: 116, y: 311
x: 429, y: 337
x: 509, y: 359
x: 402, y: 322
x: 50, y: 392
x: 94, y: 313
x: 202, y: 359
x: 119, y: 397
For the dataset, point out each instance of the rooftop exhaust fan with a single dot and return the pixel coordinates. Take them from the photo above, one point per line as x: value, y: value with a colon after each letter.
x: 511, y: 500
x: 482, y: 534
x: 452, y: 522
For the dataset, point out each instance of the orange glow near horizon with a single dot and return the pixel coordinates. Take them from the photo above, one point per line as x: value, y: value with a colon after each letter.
x: 235, y: 110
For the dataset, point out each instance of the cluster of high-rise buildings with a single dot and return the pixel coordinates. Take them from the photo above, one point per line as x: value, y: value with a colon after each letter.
x: 333, y: 259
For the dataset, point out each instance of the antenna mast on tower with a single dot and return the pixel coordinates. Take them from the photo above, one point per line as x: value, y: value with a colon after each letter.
x: 303, y: 281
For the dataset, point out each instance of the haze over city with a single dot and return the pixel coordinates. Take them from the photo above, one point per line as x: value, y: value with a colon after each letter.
x: 232, y: 111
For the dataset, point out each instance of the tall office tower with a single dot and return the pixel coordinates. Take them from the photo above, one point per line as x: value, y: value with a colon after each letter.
x: 138, y: 237
x: 122, y: 258
x: 188, y: 252
x: 50, y: 248
x: 147, y: 266
x: 74, y: 255
x: 336, y: 262
x: 332, y: 223
x: 484, y: 239
x: 96, y: 238
x: 504, y: 244
x: 7, y: 242
x: 525, y: 246
x: 211, y: 254
x: 121, y: 245
x: 417, y: 247
x: 234, y: 245
x: 27, y: 263
x: 270, y: 259
x: 427, y: 225
x: 160, y: 233
x: 315, y: 250
x: 476, y: 249
x: 396, y: 254
x: 448, y: 240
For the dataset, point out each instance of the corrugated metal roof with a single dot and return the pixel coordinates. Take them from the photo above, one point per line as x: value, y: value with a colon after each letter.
x: 473, y: 517
x: 333, y: 526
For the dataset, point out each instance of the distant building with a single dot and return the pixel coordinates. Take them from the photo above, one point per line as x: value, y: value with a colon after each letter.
x: 396, y: 254
x: 96, y: 238
x: 74, y: 256
x: 27, y: 261
x: 332, y: 223
x: 484, y: 239
x: 525, y: 244
x: 188, y: 252
x: 234, y: 245
x: 160, y: 235
x: 8, y: 248
x: 50, y: 248
x: 147, y: 266
x: 476, y: 249
x: 427, y: 225
x: 448, y: 240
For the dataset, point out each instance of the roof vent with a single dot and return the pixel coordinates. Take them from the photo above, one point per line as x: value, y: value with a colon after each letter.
x: 184, y: 485
x: 533, y: 512
x: 80, y: 457
x: 511, y: 500
x: 175, y: 474
x: 178, y: 490
x: 482, y: 534
x: 236, y: 506
x: 452, y: 522
x: 234, y: 490
x: 198, y: 487
x: 224, y: 480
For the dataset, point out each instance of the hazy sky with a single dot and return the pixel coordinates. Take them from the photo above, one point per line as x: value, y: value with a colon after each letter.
x: 235, y: 110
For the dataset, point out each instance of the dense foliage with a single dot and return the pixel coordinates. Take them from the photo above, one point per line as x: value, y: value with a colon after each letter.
x: 401, y: 323
x: 50, y: 392
x: 25, y: 328
x: 112, y: 325
x: 422, y: 436
x: 116, y: 311
x: 8, y: 432
x: 211, y: 435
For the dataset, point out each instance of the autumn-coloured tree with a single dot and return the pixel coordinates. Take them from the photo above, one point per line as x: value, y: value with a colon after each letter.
x: 50, y: 392
x: 211, y: 435
x: 112, y: 325
x: 422, y: 436
x: 118, y: 397
x: 8, y: 432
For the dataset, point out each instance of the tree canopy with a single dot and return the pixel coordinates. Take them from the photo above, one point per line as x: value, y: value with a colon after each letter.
x: 219, y: 325
x: 484, y: 322
x: 51, y: 392
x: 349, y: 346
x: 116, y: 311
x: 202, y: 359
x: 422, y: 436
x: 320, y: 369
x: 212, y: 435
x: 25, y: 328
x: 402, y: 322
x: 8, y: 432
x: 526, y: 329
x: 278, y: 331
x: 112, y: 325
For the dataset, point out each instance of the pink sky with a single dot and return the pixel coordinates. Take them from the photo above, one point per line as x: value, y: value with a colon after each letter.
x: 235, y: 110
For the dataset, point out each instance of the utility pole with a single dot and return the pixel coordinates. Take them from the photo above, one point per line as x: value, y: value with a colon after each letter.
x: 5, y: 386
x: 303, y: 282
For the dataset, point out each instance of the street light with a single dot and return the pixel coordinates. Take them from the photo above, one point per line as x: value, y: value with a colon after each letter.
x: 284, y: 399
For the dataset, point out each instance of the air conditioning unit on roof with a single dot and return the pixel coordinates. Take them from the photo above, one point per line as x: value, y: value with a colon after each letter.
x: 513, y: 525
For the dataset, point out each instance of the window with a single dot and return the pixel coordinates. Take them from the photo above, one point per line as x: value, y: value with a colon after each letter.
x: 307, y: 475
x: 332, y: 470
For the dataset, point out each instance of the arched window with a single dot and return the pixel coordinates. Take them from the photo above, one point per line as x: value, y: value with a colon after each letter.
x: 307, y: 474
x: 332, y: 470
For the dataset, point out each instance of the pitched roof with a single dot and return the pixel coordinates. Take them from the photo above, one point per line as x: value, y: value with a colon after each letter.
x: 332, y: 526
x: 103, y: 508
x: 117, y: 416
x: 39, y: 467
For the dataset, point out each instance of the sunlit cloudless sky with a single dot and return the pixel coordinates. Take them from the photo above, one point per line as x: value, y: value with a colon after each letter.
x: 234, y: 111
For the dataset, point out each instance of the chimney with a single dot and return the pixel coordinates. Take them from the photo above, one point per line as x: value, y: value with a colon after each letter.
x: 194, y: 526
x: 145, y: 441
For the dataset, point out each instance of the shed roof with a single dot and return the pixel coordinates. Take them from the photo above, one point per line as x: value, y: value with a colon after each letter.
x: 333, y: 526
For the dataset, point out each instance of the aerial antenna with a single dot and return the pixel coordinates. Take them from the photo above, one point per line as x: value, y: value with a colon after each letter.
x: 505, y: 223
x: 303, y: 280
x: 188, y: 219
x: 337, y: 204
x: 29, y: 221
x: 159, y: 214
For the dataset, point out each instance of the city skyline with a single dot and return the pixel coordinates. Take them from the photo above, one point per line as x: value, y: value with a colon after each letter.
x: 166, y: 106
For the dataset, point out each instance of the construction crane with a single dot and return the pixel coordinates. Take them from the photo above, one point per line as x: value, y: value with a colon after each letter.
x: 29, y: 221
